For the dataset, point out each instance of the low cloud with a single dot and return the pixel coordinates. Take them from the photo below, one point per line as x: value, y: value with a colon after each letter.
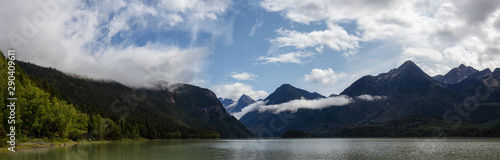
x: 243, y: 76
x: 248, y: 109
x: 294, y: 105
x: 370, y: 97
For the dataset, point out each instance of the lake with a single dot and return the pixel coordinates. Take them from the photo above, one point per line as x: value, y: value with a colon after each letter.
x: 359, y: 148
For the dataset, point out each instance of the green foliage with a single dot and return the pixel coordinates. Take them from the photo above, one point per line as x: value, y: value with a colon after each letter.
x: 38, y: 113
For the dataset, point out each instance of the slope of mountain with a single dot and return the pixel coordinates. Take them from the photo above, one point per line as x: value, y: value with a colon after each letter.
x: 455, y: 75
x: 187, y: 111
x: 240, y: 104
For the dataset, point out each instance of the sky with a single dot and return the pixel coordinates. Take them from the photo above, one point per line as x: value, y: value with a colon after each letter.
x: 251, y: 47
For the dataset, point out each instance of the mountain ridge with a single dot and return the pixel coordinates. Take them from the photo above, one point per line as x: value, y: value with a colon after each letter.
x: 409, y: 91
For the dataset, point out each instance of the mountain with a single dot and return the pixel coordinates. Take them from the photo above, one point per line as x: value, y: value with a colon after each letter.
x: 287, y: 92
x: 182, y: 111
x: 409, y: 91
x: 412, y: 94
x: 407, y: 77
x: 225, y: 101
x: 240, y: 104
x: 264, y: 124
x: 409, y: 94
x: 455, y: 75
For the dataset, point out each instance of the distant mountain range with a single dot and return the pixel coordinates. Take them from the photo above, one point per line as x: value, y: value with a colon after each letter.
x: 410, y: 94
x: 402, y: 102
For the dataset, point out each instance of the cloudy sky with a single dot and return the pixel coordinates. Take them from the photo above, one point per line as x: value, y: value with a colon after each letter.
x: 251, y: 47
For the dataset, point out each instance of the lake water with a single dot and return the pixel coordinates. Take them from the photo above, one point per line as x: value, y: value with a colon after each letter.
x: 377, y: 148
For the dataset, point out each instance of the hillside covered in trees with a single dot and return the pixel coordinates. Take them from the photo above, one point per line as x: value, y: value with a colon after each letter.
x: 57, y: 106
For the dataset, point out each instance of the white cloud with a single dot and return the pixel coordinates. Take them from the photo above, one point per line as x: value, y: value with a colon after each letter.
x: 78, y: 37
x: 243, y: 76
x: 294, y: 105
x: 325, y: 77
x: 235, y: 90
x: 297, y: 104
x: 292, y: 57
x: 335, y: 38
x: 249, y: 108
x: 257, y: 24
x: 425, y: 30
x: 367, y: 97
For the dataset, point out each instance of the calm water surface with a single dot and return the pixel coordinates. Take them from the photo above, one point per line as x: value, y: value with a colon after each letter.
x: 272, y: 149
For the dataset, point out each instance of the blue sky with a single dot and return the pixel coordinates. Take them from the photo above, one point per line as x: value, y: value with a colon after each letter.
x: 251, y: 47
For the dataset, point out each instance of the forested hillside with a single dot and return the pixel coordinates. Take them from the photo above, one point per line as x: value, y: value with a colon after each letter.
x: 185, y: 112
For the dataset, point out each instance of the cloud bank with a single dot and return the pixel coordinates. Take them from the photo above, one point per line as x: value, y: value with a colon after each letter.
x: 436, y: 34
x: 116, y: 39
x: 294, y: 105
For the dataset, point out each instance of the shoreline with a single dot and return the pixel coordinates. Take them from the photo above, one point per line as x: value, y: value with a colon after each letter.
x: 35, y: 145
x: 43, y: 144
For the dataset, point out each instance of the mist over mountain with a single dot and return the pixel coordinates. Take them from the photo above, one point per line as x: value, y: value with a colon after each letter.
x: 287, y: 92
